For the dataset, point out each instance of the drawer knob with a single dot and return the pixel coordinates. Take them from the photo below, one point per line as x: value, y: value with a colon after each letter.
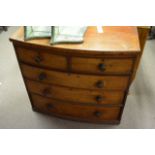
x: 98, y: 113
x: 101, y: 67
x: 42, y: 76
x: 46, y: 91
x: 99, y: 98
x: 100, y: 84
x: 50, y: 106
x: 38, y: 59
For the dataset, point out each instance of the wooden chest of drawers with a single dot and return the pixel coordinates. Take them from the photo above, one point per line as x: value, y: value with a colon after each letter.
x: 86, y: 82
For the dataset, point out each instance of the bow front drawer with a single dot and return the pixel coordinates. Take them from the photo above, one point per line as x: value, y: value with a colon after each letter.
x: 75, y: 80
x: 75, y: 111
x: 102, y: 65
x: 42, y: 59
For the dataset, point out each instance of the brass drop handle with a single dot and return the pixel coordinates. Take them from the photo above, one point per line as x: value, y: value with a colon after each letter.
x: 42, y: 76
x: 102, y: 67
x: 46, y: 91
x: 98, y: 113
x: 49, y: 106
x: 100, y: 84
x: 99, y: 98
x: 38, y: 59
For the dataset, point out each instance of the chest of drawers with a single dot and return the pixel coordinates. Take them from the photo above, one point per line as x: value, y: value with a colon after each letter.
x: 85, y: 82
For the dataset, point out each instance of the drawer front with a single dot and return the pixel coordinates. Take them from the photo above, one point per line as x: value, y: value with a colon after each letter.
x: 75, y: 80
x: 90, y: 113
x: 102, y: 66
x: 42, y: 58
x: 75, y: 95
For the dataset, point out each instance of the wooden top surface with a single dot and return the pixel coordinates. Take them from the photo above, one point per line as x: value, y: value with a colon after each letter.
x: 113, y: 38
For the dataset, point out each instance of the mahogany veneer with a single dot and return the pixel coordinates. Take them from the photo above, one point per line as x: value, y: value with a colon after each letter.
x: 85, y: 82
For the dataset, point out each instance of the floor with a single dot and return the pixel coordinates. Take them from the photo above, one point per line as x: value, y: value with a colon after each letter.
x: 16, y: 112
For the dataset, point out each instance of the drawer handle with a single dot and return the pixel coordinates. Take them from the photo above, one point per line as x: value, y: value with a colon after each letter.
x: 98, y: 113
x: 49, y: 106
x: 99, y: 98
x: 100, y: 84
x: 38, y: 59
x: 42, y: 76
x: 101, y: 67
x: 46, y: 91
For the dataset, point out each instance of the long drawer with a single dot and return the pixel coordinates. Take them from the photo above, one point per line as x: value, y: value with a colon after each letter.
x: 75, y: 80
x: 102, y: 65
x: 42, y: 58
x: 76, y: 95
x: 75, y: 111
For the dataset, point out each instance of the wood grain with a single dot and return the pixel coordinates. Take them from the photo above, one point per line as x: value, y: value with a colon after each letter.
x: 75, y: 80
x: 110, y: 66
x: 41, y: 58
x: 114, y: 39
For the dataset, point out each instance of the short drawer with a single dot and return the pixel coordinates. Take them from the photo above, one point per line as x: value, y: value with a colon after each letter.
x: 76, y: 95
x: 75, y: 111
x: 102, y: 66
x: 42, y: 58
x: 75, y: 80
